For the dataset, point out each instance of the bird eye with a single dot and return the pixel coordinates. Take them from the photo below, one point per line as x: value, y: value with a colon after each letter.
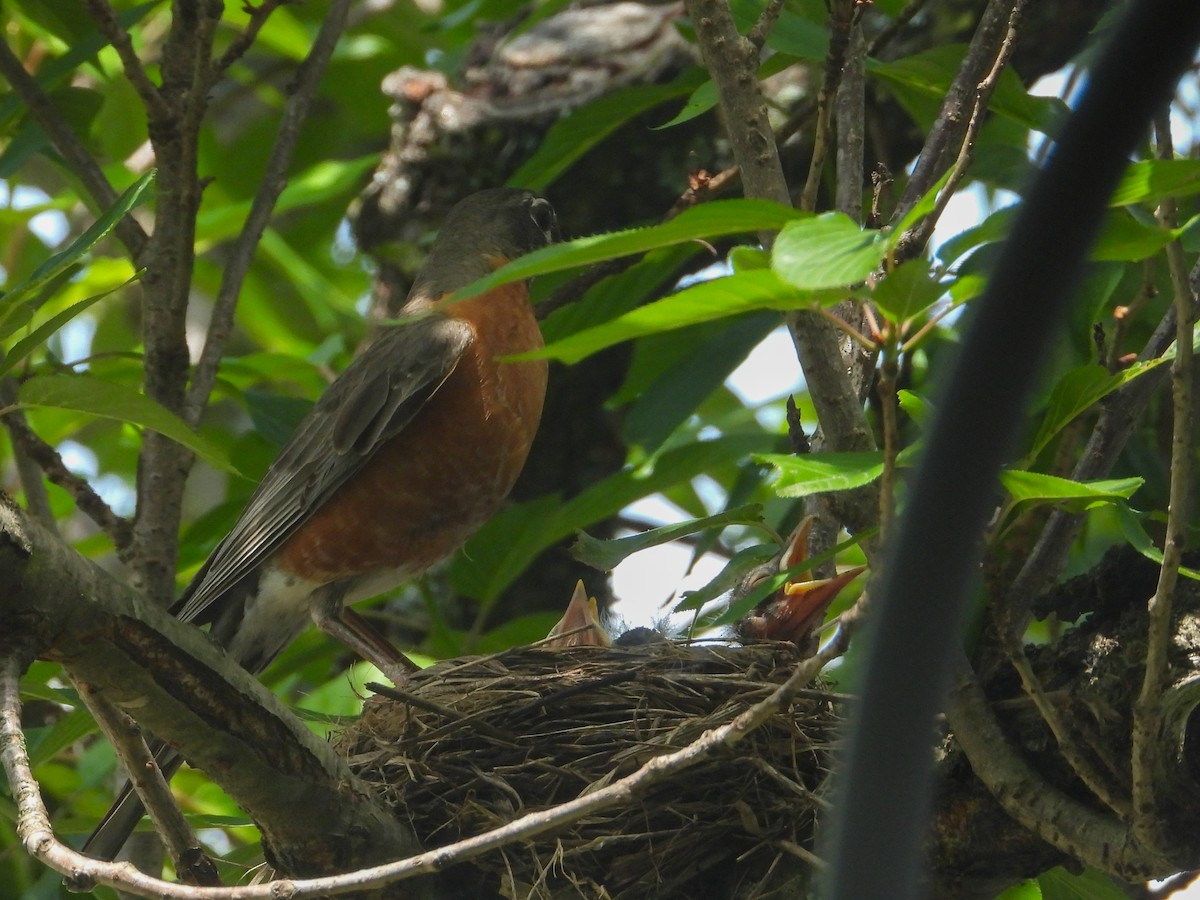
x: 543, y: 217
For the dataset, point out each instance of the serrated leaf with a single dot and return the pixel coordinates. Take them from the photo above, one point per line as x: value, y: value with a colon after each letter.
x: 85, y: 394
x: 606, y: 555
x: 709, y: 220
x: 826, y: 251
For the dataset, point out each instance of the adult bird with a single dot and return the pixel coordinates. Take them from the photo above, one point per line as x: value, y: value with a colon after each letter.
x: 406, y: 454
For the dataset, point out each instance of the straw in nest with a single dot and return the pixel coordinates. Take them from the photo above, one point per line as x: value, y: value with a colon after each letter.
x: 476, y: 743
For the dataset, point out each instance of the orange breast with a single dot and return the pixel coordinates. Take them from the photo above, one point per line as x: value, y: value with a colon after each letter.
x: 424, y: 493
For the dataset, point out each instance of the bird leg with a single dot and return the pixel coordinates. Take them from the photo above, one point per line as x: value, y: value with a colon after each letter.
x: 345, y: 625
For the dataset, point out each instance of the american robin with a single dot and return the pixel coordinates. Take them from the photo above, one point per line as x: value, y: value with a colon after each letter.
x: 580, y: 625
x: 797, y: 609
x: 404, y: 456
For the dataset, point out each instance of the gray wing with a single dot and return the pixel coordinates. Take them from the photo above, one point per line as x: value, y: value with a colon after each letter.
x: 372, y: 401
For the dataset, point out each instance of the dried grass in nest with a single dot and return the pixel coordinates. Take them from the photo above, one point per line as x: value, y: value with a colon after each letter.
x: 482, y: 741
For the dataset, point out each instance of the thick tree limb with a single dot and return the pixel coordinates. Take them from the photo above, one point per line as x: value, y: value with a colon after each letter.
x: 185, y: 690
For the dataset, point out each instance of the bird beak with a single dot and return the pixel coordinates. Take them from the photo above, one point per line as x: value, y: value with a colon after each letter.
x: 807, y: 601
x: 580, y: 625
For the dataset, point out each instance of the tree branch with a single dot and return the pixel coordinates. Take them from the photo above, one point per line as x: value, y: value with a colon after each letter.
x: 732, y: 62
x: 65, y: 142
x: 1147, y: 711
x: 952, y: 119
x: 274, y: 180
x: 188, y: 692
x: 106, y: 19
x: 33, y: 448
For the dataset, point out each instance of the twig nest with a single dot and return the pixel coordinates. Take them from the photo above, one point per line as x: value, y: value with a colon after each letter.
x: 478, y: 742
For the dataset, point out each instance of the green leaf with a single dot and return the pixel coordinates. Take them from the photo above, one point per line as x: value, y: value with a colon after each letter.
x: 606, y: 555
x: 826, y: 251
x: 1150, y: 180
x: 1059, y: 884
x: 916, y: 406
x: 46, y: 330
x: 704, y: 97
x: 930, y: 73
x: 816, y: 473
x: 731, y: 576
x: 1026, y: 486
x: 1124, y: 239
x: 1076, y: 392
x: 907, y: 291
x: 58, y: 263
x: 1131, y: 526
x: 74, y: 726
x: 1026, y: 890
x: 85, y: 394
x: 571, y: 137
x: 322, y: 182
x: 502, y: 549
x: 704, y: 302
x: 709, y: 220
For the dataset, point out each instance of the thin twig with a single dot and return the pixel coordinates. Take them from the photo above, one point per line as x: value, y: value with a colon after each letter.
x: 34, y: 824
x: 1096, y: 781
x: 126, y: 738
x: 274, y: 180
x: 841, y: 18
x: 901, y: 21
x: 761, y: 29
x: 919, y: 234
x: 889, y: 403
x: 952, y: 118
x: 32, y: 447
x: 105, y: 18
x: 79, y: 160
x: 1147, y: 710
x: 244, y: 41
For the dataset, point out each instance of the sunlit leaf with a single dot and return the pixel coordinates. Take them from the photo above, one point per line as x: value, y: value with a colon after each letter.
x: 85, y: 394
x: 1135, y: 533
x: 46, y: 330
x: 69, y: 255
x: 1150, y: 180
x: 704, y: 302
x: 826, y: 251
x: 1026, y: 486
x: 709, y: 220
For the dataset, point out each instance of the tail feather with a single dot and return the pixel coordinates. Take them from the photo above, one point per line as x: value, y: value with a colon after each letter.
x: 106, y: 841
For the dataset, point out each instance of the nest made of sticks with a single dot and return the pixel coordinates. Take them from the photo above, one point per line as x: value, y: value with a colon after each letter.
x: 478, y: 742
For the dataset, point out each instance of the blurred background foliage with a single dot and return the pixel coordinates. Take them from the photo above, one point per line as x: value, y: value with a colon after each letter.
x: 637, y: 431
